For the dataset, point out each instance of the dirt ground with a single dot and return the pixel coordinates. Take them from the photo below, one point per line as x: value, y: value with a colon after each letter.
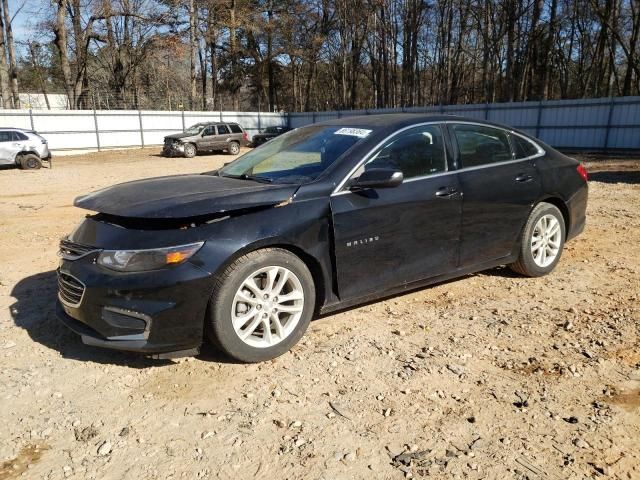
x: 489, y: 376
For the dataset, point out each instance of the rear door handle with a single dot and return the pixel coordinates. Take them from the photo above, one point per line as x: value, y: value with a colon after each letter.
x: 446, y: 192
x: 522, y: 178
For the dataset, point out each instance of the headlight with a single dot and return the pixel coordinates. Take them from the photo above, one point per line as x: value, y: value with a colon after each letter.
x: 141, y: 260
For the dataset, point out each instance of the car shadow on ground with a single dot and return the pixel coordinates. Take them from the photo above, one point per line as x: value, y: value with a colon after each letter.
x: 616, y: 176
x: 34, y: 310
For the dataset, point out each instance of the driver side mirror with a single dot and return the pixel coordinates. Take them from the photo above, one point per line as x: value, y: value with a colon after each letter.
x: 378, y: 178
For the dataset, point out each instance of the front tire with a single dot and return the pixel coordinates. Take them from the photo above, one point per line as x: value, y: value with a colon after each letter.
x: 190, y: 150
x: 542, y: 241
x: 30, y: 162
x: 261, y: 305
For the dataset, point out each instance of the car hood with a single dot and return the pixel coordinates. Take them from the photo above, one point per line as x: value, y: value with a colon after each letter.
x: 183, y: 196
x: 177, y: 136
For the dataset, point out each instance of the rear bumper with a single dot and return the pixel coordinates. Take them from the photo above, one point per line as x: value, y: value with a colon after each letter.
x: 577, y: 206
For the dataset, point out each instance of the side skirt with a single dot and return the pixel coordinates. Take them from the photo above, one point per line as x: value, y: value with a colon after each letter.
x: 408, y: 287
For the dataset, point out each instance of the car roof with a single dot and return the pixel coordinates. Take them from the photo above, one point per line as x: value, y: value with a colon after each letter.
x: 397, y: 120
x: 216, y: 123
x: 26, y: 130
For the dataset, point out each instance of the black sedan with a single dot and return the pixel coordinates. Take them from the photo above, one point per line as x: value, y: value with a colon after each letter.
x: 323, y: 217
x: 267, y: 134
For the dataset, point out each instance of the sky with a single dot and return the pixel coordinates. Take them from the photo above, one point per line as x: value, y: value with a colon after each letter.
x: 23, y: 24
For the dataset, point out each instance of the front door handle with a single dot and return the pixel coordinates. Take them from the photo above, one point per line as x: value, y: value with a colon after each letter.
x: 446, y: 192
x: 522, y: 178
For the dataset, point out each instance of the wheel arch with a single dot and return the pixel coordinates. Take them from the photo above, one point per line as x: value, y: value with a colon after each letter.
x: 310, y: 261
x: 22, y: 153
x: 558, y: 202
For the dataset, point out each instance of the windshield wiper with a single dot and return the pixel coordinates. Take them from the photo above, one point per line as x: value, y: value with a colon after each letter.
x: 246, y: 176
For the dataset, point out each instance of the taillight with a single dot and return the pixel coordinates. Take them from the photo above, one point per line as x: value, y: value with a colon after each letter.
x: 245, y: 136
x: 583, y: 172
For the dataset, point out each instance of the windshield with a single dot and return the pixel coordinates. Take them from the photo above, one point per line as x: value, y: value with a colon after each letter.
x: 299, y: 156
x: 195, y: 129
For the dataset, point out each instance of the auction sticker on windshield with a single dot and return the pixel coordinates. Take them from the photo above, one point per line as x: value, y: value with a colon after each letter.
x: 354, y: 132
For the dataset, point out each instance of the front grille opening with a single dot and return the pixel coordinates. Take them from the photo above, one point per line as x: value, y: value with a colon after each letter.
x: 72, y: 251
x: 70, y: 289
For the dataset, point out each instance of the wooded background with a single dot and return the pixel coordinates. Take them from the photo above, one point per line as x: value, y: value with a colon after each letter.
x: 314, y: 55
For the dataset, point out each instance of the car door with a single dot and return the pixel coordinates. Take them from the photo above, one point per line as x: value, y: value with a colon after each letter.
x: 9, y: 146
x: 222, y: 137
x: 208, y: 140
x: 499, y: 191
x: 388, y: 237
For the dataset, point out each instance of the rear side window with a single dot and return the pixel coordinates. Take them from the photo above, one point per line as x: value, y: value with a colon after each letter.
x: 523, y: 148
x: 223, y: 130
x: 480, y: 145
x: 235, y: 128
x: 210, y: 130
x: 416, y: 152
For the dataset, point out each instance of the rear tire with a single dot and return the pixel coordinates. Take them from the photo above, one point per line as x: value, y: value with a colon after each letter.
x: 541, y: 242
x: 261, y: 305
x: 234, y: 148
x: 30, y: 162
x: 190, y: 150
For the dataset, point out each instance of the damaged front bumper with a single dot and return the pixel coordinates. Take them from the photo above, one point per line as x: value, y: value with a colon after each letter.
x: 149, y: 312
x: 173, y: 149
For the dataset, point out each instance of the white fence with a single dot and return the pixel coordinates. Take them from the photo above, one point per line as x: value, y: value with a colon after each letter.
x: 590, y: 124
x: 597, y: 124
x: 102, y: 129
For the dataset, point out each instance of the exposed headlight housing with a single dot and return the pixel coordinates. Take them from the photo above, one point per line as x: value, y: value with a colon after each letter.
x: 142, y: 260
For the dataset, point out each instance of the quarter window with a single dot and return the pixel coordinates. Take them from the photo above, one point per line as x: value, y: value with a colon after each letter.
x: 480, y: 145
x: 235, y: 128
x: 223, y: 130
x: 523, y: 148
x: 416, y: 152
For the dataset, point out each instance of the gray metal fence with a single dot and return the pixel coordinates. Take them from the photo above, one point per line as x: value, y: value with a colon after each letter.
x: 590, y: 124
x: 595, y: 124
x: 71, y: 130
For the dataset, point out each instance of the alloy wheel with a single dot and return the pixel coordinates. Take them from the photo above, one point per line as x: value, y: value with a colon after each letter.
x: 267, y: 307
x: 546, y: 240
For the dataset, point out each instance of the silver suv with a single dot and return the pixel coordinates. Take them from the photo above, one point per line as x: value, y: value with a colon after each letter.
x: 202, y: 137
x: 24, y: 148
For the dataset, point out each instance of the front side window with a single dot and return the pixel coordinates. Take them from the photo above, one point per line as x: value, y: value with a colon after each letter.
x: 416, y: 152
x: 210, y: 130
x: 6, y: 136
x: 479, y: 145
x: 299, y: 156
x: 223, y: 130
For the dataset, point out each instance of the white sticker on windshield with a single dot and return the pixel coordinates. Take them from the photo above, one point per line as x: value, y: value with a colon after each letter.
x: 354, y: 132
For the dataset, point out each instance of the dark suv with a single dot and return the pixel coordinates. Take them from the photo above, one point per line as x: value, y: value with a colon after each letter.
x: 202, y: 137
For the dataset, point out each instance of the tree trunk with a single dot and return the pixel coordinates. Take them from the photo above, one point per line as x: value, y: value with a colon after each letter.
x: 233, y: 51
x: 13, y: 69
x: 193, y: 48
x: 4, y: 69
x: 61, y: 42
x: 546, y: 76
